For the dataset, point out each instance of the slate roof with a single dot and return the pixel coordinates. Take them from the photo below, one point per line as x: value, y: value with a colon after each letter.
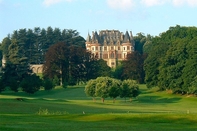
x: 110, y: 37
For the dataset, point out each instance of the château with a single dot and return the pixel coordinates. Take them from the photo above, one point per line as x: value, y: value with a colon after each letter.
x: 110, y: 45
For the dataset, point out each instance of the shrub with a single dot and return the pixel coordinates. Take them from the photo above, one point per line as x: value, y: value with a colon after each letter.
x: 48, y: 84
x: 31, y: 84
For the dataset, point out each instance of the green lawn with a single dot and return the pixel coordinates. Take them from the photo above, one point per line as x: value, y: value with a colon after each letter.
x: 70, y: 109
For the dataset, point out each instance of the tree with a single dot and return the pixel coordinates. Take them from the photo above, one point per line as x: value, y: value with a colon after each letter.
x: 189, y: 72
x: 129, y: 89
x: 17, y: 67
x: 48, y: 84
x: 9, y: 77
x: 2, y: 83
x: 90, y: 88
x: 102, y: 68
x: 114, y: 89
x: 13, y: 84
x: 140, y: 40
x: 76, y: 64
x: 193, y: 86
x: 118, y: 72
x: 19, y: 60
x: 171, y: 61
x: 107, y: 87
x: 31, y: 84
x: 171, y: 67
x: 57, y: 62
x: 133, y: 67
x: 5, y: 45
x: 153, y: 60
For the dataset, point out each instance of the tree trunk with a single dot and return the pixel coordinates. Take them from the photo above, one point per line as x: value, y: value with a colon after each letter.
x: 103, y: 99
x: 61, y: 83
x: 114, y: 100
x: 94, y: 100
x: 130, y: 99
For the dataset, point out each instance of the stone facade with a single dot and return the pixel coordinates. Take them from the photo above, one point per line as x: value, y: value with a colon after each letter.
x: 110, y: 45
x: 37, y: 68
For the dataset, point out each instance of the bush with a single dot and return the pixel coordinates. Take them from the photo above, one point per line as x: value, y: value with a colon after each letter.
x: 13, y: 84
x: 56, y: 81
x: 65, y: 84
x: 48, y: 84
x: 31, y: 84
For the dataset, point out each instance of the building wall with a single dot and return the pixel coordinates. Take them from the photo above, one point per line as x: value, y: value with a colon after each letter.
x: 37, y: 68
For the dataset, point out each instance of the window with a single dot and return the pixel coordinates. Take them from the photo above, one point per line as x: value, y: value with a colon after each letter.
x: 112, y: 48
x: 96, y: 55
x: 105, y: 48
x: 124, y: 55
x: 96, y: 47
x: 100, y: 48
x: 128, y: 48
x: 112, y: 55
x: 100, y: 55
x: 112, y: 63
x: 124, y: 48
x: 93, y: 48
x: 105, y: 56
x: 118, y: 47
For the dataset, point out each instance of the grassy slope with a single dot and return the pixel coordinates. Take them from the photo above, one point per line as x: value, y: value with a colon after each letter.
x: 151, y: 111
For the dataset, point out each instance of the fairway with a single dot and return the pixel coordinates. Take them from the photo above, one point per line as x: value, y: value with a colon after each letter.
x: 70, y: 109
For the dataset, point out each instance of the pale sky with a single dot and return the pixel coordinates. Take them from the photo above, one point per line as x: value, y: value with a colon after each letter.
x: 147, y: 16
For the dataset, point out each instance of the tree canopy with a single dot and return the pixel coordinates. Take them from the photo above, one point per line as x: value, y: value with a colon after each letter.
x: 109, y: 87
x: 37, y: 41
x: 73, y: 64
x: 171, y: 62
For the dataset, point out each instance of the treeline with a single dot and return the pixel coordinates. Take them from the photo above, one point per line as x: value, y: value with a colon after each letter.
x: 65, y: 59
x: 167, y: 61
x: 172, y: 60
x: 69, y: 65
x: 35, y: 43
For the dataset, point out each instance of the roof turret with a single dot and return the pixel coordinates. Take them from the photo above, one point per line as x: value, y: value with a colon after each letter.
x: 88, y: 39
x: 126, y: 37
x: 131, y: 35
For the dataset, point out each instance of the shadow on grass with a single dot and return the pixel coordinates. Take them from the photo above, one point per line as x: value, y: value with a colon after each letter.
x: 73, y: 93
x: 158, y: 99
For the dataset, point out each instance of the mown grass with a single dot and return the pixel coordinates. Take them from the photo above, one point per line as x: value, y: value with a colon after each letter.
x: 70, y: 109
